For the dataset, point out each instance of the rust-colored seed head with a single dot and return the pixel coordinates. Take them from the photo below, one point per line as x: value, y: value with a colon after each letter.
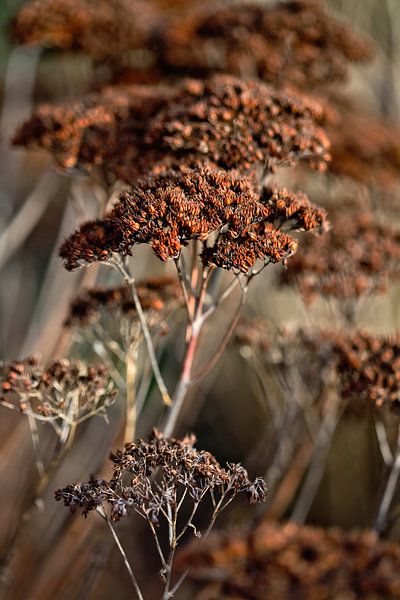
x: 288, y: 562
x: 168, y: 211
x: 364, y: 147
x: 140, y: 130
x: 239, y: 124
x: 93, y: 130
x: 358, y: 256
x: 51, y: 392
x: 180, y: 468
x: 294, y: 42
x: 100, y: 28
x: 155, y: 295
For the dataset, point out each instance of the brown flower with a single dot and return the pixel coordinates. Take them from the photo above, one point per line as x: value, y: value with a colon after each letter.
x: 62, y: 391
x: 295, y: 42
x: 168, y: 211
x: 283, y: 562
x: 358, y: 256
x: 181, y: 469
x: 239, y: 124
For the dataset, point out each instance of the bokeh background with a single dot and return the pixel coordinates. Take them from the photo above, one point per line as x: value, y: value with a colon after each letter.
x: 39, y: 207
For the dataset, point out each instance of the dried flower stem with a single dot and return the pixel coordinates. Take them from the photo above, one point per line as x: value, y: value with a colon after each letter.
x: 318, y: 461
x: 390, y: 489
x: 36, y: 446
x: 125, y: 272
x: 131, y: 404
x: 104, y: 516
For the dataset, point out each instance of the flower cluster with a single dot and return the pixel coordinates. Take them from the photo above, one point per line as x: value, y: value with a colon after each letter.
x: 151, y: 477
x: 90, y: 131
x: 100, y: 28
x: 283, y: 562
x: 155, y: 293
x: 295, y: 42
x: 137, y: 130
x: 241, y: 124
x: 358, y: 256
x: 63, y: 390
x: 364, y: 147
x: 368, y: 367
x: 168, y: 211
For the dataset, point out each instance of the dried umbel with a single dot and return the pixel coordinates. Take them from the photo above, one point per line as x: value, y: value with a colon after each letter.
x: 283, y: 562
x: 100, y: 28
x: 293, y: 42
x: 364, y: 147
x: 368, y: 367
x: 150, y: 477
x: 61, y: 392
x: 156, y: 295
x: 90, y: 131
x: 239, y: 124
x: 358, y: 256
x: 137, y: 130
x: 169, y: 211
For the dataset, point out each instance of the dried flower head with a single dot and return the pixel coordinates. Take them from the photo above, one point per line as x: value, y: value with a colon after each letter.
x: 151, y: 477
x: 168, y: 211
x: 239, y: 124
x: 358, y: 256
x: 156, y: 295
x: 100, y: 28
x: 283, y: 562
x: 295, y: 42
x: 64, y: 390
x: 93, y: 129
x: 368, y: 367
x: 138, y: 130
x: 364, y: 147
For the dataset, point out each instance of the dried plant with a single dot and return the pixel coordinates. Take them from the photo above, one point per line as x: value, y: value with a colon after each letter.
x: 289, y: 561
x: 295, y: 42
x: 364, y: 146
x: 156, y: 479
x: 359, y: 256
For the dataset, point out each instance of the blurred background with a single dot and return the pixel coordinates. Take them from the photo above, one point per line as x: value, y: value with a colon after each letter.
x: 40, y: 206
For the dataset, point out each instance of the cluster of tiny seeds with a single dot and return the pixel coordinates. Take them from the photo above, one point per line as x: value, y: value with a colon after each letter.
x: 358, y: 256
x: 94, y: 129
x: 180, y: 469
x: 155, y: 295
x: 168, y: 211
x: 288, y: 562
x: 239, y: 124
x: 293, y: 42
x: 49, y: 391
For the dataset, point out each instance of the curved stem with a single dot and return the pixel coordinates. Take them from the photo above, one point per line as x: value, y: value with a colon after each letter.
x: 390, y: 490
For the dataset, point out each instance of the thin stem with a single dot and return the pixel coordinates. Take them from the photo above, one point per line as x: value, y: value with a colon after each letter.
x: 124, y: 270
x: 131, y: 405
x: 36, y: 446
x: 390, y: 489
x: 123, y: 554
x: 182, y: 280
x: 318, y: 463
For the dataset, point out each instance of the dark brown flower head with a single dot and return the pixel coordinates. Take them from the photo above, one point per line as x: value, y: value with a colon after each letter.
x: 288, y: 562
x: 358, y: 256
x: 100, y: 28
x: 94, y: 129
x: 156, y: 295
x: 264, y: 237
x: 63, y: 390
x: 168, y: 211
x: 149, y: 476
x: 368, y: 367
x: 93, y: 241
x: 239, y: 124
x: 295, y: 42
x: 364, y: 147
